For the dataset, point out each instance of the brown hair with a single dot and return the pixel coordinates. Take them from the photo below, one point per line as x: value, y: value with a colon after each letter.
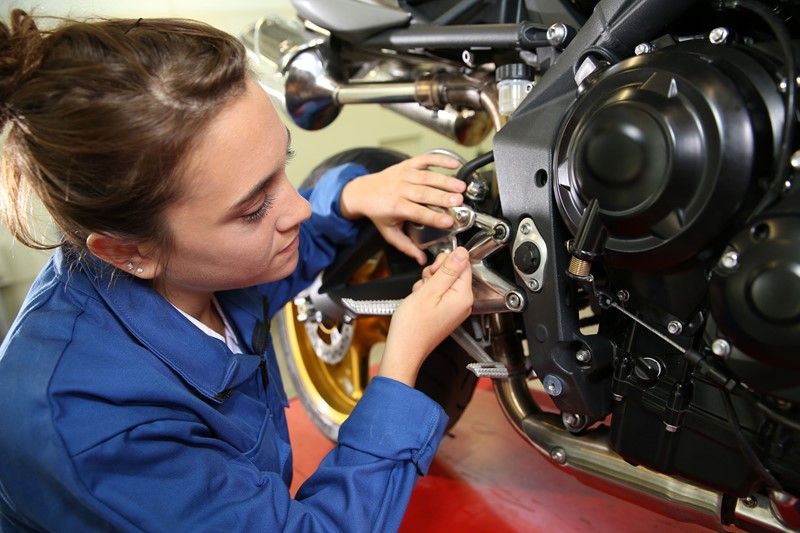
x: 100, y: 116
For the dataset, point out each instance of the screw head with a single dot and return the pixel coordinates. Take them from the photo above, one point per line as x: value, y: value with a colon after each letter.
x: 750, y: 502
x: 556, y: 34
x: 729, y: 260
x: 583, y: 355
x: 675, y: 327
x: 720, y: 348
x: 558, y: 455
x: 552, y: 385
x: 718, y: 35
x: 512, y: 301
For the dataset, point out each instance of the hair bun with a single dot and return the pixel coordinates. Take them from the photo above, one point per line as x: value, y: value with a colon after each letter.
x: 21, y: 52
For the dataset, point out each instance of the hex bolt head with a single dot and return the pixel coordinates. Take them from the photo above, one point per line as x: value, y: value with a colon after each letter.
x: 675, y: 327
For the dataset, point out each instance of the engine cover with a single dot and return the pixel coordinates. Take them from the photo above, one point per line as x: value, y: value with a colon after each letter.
x: 669, y: 143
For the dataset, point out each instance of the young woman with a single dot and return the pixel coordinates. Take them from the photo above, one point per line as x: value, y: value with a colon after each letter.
x: 140, y: 391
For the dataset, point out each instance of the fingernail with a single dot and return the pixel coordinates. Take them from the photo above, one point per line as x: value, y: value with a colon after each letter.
x: 459, y: 255
x: 454, y: 199
x: 446, y: 221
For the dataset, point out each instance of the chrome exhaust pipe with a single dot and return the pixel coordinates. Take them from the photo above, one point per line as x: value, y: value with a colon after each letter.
x: 298, y: 69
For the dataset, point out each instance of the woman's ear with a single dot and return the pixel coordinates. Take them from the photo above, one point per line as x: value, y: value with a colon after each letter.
x: 125, y: 255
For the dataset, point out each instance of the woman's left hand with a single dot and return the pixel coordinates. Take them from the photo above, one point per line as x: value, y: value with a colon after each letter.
x: 401, y: 193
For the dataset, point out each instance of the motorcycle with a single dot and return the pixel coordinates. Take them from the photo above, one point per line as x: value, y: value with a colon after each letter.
x: 634, y: 231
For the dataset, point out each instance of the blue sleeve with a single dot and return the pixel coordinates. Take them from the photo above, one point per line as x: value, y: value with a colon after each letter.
x: 320, y: 236
x: 387, y: 442
x: 171, y: 473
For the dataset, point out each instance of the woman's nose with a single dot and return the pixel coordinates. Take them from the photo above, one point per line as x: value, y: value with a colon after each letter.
x: 295, y: 210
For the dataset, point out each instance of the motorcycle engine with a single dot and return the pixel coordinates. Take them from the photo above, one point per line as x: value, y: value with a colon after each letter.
x: 671, y: 175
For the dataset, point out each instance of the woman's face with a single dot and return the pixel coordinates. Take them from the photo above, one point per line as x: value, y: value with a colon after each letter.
x: 237, y: 223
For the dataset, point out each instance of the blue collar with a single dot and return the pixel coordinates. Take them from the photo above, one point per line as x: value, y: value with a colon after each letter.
x: 203, y: 362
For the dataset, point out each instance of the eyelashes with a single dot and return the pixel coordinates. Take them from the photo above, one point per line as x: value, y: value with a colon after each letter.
x: 261, y: 212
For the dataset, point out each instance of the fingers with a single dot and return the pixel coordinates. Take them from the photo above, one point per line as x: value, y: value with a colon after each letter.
x: 450, y: 272
x: 395, y: 236
x: 432, y: 160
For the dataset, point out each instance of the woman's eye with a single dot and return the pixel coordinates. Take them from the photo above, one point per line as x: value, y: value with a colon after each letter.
x: 259, y: 213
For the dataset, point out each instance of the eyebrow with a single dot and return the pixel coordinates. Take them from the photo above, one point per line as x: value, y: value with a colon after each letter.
x: 255, y: 191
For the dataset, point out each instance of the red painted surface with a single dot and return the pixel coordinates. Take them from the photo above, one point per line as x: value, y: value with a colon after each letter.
x: 486, y: 478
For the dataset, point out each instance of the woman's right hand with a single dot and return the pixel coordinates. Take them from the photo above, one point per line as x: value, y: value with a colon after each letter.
x: 439, y: 303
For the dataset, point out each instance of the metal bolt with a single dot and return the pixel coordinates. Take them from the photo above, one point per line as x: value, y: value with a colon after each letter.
x: 623, y: 295
x: 573, y: 421
x: 750, y: 502
x: 644, y: 48
x: 720, y: 348
x: 533, y: 285
x: 795, y: 160
x: 476, y: 190
x: 513, y: 301
x: 783, y: 85
x: 583, y: 355
x: 718, y: 35
x: 729, y: 260
x: 556, y: 34
x: 618, y: 397
x: 558, y: 455
x: 301, y: 304
x: 461, y: 215
x: 468, y: 58
x: 552, y: 385
x: 525, y: 228
x: 670, y: 427
x: 675, y: 327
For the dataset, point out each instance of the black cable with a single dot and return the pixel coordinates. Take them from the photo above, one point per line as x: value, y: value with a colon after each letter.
x: 729, y: 383
x: 471, y: 166
x: 744, y: 445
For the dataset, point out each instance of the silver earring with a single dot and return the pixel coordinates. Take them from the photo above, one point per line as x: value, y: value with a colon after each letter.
x: 139, y: 270
x: 129, y: 265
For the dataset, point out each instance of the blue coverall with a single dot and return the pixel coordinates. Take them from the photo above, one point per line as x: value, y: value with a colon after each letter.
x: 117, y: 413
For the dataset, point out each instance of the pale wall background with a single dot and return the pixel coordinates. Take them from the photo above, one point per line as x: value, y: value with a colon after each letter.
x: 364, y: 125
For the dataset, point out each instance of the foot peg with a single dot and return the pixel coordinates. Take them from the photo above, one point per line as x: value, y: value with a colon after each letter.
x: 370, y: 307
x: 493, y: 370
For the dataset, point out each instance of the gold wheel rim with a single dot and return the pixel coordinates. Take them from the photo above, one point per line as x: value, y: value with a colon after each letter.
x: 334, y: 389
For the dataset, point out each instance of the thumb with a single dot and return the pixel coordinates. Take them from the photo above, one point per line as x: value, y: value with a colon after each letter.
x: 449, y: 272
